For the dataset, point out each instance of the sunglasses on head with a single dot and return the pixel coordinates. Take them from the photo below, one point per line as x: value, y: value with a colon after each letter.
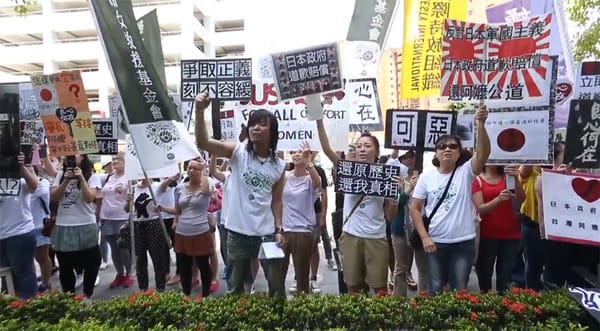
x: 441, y: 147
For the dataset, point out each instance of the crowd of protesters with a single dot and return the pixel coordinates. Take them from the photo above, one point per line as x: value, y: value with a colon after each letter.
x: 461, y: 215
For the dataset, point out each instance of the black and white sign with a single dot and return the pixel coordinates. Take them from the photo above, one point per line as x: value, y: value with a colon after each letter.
x: 417, y: 129
x: 32, y: 132
x: 106, y: 135
x: 587, y: 86
x: 364, y: 108
x: 10, y: 142
x: 366, y: 178
x: 582, y: 148
x: 307, y: 71
x: 223, y: 79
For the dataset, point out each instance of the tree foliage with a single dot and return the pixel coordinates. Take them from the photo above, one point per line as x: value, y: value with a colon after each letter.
x: 23, y: 7
x: 586, y: 13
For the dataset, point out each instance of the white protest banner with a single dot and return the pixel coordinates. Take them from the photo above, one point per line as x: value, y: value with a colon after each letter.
x: 294, y: 126
x: 364, y: 109
x: 503, y: 65
x: 185, y: 110
x: 32, y: 133
x: 465, y: 130
x: 360, y: 59
x: 521, y: 137
x: 587, y: 86
x: 133, y: 169
x: 571, y: 207
x: 306, y: 71
x: 116, y: 111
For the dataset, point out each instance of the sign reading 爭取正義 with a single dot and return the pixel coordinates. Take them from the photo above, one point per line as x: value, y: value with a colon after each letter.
x: 307, y: 71
x: 223, y: 79
x: 366, y: 179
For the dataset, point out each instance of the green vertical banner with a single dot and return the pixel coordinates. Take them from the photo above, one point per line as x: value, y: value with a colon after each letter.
x: 156, y: 128
x: 150, y: 31
x: 371, y: 20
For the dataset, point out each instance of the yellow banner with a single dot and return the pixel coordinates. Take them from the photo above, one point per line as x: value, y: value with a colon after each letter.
x: 422, y: 48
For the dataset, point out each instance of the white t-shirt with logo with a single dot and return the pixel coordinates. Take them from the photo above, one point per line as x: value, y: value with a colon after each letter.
x: 249, y: 191
x: 114, y: 198
x: 72, y: 209
x: 39, y: 197
x: 453, y: 221
x: 15, y: 213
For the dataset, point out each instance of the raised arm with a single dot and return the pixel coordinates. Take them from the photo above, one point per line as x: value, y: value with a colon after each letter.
x: 203, y: 141
x: 28, y: 174
x: 331, y: 154
x: 214, y: 171
x: 482, y: 151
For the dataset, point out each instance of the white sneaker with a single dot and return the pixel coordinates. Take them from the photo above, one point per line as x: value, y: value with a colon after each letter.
x: 314, y: 287
x: 103, y: 265
x: 293, y: 288
x: 253, y: 289
x: 331, y: 264
x: 97, y: 281
x: 78, y: 280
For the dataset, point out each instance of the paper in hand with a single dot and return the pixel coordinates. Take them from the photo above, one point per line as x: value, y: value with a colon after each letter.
x: 314, y: 109
x: 270, y: 250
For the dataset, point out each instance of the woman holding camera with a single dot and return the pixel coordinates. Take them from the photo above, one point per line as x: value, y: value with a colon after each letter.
x: 75, y: 235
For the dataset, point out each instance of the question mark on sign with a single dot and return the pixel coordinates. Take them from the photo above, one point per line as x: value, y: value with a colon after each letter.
x: 75, y: 89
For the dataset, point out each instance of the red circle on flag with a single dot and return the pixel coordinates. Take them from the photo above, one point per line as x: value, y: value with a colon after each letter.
x: 46, y: 94
x: 511, y: 140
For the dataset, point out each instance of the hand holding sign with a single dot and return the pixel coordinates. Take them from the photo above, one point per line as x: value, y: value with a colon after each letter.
x: 481, y: 114
x: 202, y: 101
x: 67, y: 115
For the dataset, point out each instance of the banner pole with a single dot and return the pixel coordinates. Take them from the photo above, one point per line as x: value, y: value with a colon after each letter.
x: 131, y: 228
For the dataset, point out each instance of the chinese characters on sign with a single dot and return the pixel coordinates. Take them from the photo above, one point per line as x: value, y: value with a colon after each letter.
x: 32, y: 132
x: 417, y: 129
x: 520, y: 136
x: 422, y: 47
x: 571, y: 207
x: 582, y: 148
x: 588, y: 81
x: 365, y: 178
x: 499, y: 64
x: 228, y: 126
x: 223, y: 79
x: 63, y: 106
x: 106, y: 135
x: 307, y: 71
x: 371, y: 20
x: 365, y: 110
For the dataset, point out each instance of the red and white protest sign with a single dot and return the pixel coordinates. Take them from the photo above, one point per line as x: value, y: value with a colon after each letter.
x: 503, y: 65
x: 571, y: 207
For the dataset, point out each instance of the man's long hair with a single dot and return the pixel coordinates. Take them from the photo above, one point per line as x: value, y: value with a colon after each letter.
x: 257, y: 116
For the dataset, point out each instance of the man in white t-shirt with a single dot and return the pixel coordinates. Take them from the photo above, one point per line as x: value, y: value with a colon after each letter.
x: 255, y: 187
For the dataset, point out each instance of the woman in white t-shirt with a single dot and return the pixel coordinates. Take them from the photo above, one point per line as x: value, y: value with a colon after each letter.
x: 112, y: 217
x: 193, y: 235
x: 17, y: 236
x: 75, y: 235
x: 149, y: 236
x: 363, y: 243
x: 449, y: 243
x: 301, y: 190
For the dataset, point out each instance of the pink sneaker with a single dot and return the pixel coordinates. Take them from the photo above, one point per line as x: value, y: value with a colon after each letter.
x: 117, y: 282
x: 127, y: 281
x: 214, y: 286
x: 195, y: 283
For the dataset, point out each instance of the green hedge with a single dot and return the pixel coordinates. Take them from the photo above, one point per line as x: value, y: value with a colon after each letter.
x: 518, y: 310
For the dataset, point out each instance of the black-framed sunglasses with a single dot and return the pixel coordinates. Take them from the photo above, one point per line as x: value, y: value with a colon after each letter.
x: 441, y: 147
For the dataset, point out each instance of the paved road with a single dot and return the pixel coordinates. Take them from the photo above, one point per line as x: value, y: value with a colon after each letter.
x: 327, y: 279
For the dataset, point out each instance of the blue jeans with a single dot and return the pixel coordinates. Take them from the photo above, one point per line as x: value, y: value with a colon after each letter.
x: 534, y: 255
x: 17, y: 252
x: 451, y: 264
x: 241, y: 249
x: 503, y: 254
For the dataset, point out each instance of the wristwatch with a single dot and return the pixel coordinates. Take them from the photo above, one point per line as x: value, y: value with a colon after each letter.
x: 278, y: 230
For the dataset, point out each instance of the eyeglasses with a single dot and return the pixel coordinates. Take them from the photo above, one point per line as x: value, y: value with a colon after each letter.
x: 441, y: 147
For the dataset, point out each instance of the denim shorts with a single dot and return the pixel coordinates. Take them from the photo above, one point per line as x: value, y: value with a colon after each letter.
x: 40, y: 238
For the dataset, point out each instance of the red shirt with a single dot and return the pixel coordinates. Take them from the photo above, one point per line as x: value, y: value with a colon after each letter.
x: 500, y: 222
